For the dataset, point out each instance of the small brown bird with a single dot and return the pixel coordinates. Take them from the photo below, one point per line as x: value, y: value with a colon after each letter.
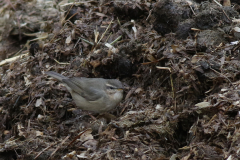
x: 92, y: 94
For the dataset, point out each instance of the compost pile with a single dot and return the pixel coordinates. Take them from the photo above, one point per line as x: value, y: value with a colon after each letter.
x: 178, y: 60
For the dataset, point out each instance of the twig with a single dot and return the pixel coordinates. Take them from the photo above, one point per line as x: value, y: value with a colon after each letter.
x: 116, y: 40
x: 87, y: 41
x: 223, y: 76
x: 76, y: 42
x: 60, y: 62
x: 226, y: 15
x: 192, y: 10
x: 118, y: 22
x: 64, y: 20
x: 44, y: 150
x: 72, y: 16
x: 77, y: 137
x: 96, y: 34
x: 150, y: 13
x: 171, y: 80
x: 59, y: 146
x: 108, y: 37
x: 213, y: 117
x: 145, y: 63
x: 105, y: 32
x: 217, y: 3
x: 12, y: 59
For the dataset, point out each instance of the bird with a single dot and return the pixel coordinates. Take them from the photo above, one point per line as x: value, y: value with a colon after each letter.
x: 92, y: 94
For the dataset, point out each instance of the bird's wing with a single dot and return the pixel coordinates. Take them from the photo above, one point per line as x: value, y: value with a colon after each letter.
x: 86, y: 91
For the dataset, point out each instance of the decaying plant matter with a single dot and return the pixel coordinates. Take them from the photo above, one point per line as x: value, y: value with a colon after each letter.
x: 178, y: 61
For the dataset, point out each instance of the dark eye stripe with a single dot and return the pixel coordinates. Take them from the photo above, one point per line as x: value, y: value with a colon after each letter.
x: 111, y: 87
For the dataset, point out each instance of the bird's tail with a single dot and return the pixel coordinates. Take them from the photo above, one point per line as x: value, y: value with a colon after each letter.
x: 56, y: 75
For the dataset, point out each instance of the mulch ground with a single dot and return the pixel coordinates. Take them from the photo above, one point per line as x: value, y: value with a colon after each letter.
x: 178, y: 60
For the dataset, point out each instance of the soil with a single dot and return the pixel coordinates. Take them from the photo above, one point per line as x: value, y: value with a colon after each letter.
x: 178, y: 61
